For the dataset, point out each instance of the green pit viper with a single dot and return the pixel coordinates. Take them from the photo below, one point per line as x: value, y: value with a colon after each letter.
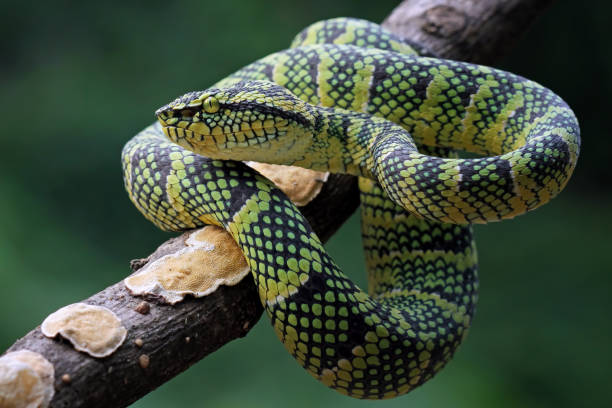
x: 351, y: 97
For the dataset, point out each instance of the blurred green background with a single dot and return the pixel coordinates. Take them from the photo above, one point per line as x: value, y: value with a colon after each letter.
x: 78, y: 79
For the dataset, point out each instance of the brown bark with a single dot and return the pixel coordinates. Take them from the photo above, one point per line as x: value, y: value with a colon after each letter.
x: 175, y: 337
x: 477, y: 31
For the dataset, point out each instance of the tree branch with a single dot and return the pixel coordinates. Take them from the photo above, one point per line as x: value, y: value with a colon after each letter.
x: 173, y: 337
x: 477, y: 31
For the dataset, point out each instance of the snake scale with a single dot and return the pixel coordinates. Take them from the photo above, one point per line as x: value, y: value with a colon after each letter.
x: 350, y: 97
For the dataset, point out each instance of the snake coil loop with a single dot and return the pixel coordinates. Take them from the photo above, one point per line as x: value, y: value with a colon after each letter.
x: 352, y: 97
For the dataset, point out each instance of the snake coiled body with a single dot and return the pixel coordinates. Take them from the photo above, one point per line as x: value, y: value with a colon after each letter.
x: 376, y: 110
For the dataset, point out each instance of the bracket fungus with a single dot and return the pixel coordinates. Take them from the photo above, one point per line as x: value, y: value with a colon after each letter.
x: 299, y: 184
x: 94, y: 330
x: 209, y: 258
x: 26, y: 380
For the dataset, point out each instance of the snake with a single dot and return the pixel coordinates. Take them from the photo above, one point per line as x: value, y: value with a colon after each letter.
x: 350, y: 97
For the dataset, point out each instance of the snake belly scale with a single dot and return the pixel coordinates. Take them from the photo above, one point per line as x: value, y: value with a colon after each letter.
x: 376, y: 110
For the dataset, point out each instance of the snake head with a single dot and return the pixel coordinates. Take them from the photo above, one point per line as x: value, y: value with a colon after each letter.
x: 254, y: 120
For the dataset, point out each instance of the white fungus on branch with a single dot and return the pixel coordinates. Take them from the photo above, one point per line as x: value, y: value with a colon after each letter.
x: 209, y: 258
x: 94, y: 330
x: 26, y: 380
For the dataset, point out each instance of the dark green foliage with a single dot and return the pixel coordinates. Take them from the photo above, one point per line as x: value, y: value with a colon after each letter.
x: 79, y: 79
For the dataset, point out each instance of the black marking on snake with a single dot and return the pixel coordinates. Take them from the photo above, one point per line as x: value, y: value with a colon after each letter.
x: 303, y: 60
x: 268, y: 71
x: 269, y: 110
x: 246, y: 186
x: 541, y: 168
x: 330, y: 31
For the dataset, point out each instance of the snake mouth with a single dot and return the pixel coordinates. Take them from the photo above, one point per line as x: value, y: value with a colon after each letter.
x: 222, y: 138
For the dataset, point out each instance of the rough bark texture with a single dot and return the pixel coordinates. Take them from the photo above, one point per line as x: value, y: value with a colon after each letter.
x: 468, y: 30
x: 175, y: 337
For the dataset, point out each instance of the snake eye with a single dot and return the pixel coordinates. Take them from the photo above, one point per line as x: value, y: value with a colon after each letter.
x: 210, y: 104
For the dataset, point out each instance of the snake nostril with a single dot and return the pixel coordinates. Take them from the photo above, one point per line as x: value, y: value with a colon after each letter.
x: 189, y: 113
